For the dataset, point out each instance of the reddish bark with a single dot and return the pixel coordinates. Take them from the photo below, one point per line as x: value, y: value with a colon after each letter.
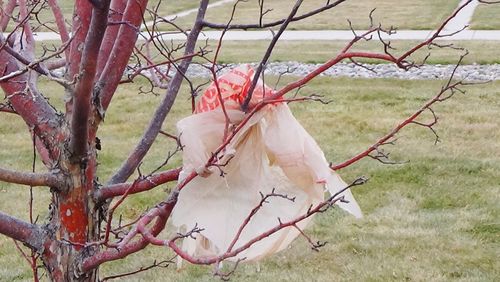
x: 34, y: 109
x: 142, y: 185
x: 121, y: 51
x: 60, y: 22
x: 29, y: 178
x: 29, y: 234
x: 117, y: 8
x: 74, y: 217
x: 154, y: 127
x: 161, y: 212
x: 6, y: 14
x: 84, y: 87
x: 81, y: 22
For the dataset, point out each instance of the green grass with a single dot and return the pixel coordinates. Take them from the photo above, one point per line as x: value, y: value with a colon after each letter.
x: 405, y: 14
x: 480, y: 52
x: 169, y: 7
x: 432, y: 219
x: 320, y: 51
x: 486, y: 17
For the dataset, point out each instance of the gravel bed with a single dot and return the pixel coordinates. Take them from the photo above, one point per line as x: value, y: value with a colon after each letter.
x: 466, y: 72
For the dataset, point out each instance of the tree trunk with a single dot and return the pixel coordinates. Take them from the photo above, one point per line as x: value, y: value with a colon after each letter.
x: 74, y: 221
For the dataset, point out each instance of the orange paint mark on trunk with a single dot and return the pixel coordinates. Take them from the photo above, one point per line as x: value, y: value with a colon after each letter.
x: 74, y: 221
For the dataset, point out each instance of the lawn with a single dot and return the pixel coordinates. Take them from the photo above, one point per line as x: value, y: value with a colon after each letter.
x: 480, y: 52
x: 486, y: 17
x: 434, y: 218
x: 166, y: 7
x: 404, y: 14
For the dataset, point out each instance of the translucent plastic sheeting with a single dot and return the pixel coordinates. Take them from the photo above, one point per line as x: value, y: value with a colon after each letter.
x: 271, y: 151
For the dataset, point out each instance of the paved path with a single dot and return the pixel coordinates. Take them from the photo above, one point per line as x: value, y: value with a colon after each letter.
x: 338, y: 35
x: 472, y: 72
x: 305, y: 35
x: 463, y: 18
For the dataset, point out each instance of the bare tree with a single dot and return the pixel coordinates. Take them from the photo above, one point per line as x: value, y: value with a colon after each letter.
x: 101, y: 42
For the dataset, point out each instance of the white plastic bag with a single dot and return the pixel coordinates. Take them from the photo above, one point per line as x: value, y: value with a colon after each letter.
x: 271, y: 151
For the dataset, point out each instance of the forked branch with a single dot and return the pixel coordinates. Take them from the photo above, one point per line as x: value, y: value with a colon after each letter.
x: 450, y: 87
x: 136, y: 156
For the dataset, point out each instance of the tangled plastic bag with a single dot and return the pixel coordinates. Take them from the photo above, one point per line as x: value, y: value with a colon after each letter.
x: 271, y: 151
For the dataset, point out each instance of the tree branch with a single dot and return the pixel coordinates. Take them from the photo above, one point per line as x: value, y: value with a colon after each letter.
x: 22, y: 59
x: 439, y: 97
x: 29, y: 234
x: 84, y: 86
x: 160, y: 212
x: 275, y: 23
x: 147, y: 139
x: 345, y: 54
x: 122, y: 46
x: 80, y: 26
x: 30, y: 178
x: 7, y: 14
x: 31, y: 64
x: 31, y: 106
x: 269, y: 50
x: 117, y: 12
x: 162, y: 264
x: 60, y: 22
x: 146, y: 184
x: 319, y: 208
x: 7, y: 108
